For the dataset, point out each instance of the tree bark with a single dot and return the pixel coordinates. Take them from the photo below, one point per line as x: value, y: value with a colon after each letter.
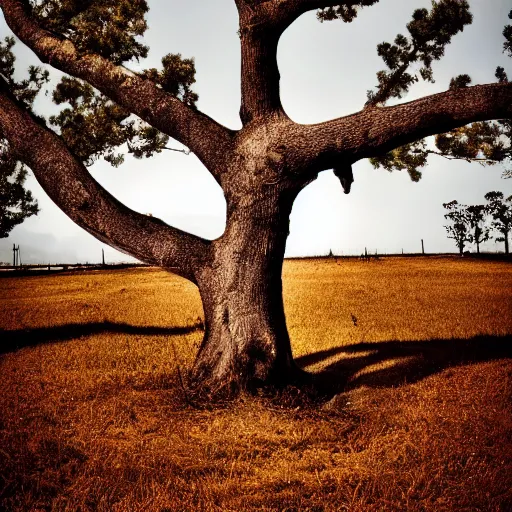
x: 246, y: 343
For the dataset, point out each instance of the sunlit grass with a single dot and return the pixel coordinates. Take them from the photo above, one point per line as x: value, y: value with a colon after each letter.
x: 93, y: 416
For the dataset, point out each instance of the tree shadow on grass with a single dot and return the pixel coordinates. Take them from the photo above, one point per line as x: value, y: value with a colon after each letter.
x: 11, y: 340
x: 395, y: 363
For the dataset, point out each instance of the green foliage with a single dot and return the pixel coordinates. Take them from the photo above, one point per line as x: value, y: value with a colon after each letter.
x: 460, y: 81
x: 16, y: 203
x: 473, y: 141
x: 468, y: 223
x: 507, y: 34
x: 405, y: 158
x: 107, y: 125
x: 91, y: 124
x: 176, y: 77
x: 429, y: 33
x: 26, y: 90
x: 488, y: 142
x: 346, y: 12
x: 109, y: 28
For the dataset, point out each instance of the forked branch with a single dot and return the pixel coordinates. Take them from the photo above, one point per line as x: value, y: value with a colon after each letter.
x: 261, y: 25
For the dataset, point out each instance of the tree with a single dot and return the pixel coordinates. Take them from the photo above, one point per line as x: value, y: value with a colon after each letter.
x: 460, y: 227
x: 261, y: 167
x: 501, y: 211
x: 476, y: 215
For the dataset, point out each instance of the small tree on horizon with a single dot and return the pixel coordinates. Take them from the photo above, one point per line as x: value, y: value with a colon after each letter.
x: 476, y: 215
x: 261, y: 168
x: 459, y: 228
x: 500, y: 208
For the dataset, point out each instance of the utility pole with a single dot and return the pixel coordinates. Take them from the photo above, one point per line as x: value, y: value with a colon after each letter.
x: 16, y: 258
x: 103, y: 257
x: 422, y: 247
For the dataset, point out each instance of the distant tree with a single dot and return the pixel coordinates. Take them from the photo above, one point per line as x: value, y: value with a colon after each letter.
x: 261, y: 167
x: 459, y: 228
x: 476, y: 215
x: 500, y: 208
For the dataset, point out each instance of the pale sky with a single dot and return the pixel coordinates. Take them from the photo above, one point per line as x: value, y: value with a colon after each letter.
x: 326, y: 69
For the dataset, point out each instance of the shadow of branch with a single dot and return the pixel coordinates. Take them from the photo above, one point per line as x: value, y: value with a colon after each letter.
x: 11, y: 340
x: 395, y: 363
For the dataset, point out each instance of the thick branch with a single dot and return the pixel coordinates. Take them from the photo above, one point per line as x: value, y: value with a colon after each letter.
x: 262, y: 22
x: 375, y: 131
x: 68, y: 183
x: 261, y: 26
x: 206, y: 138
x: 259, y: 74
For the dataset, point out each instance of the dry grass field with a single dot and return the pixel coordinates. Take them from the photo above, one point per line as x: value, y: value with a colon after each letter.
x: 418, y: 350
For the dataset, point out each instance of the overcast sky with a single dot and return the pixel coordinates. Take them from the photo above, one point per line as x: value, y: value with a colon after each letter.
x: 326, y: 69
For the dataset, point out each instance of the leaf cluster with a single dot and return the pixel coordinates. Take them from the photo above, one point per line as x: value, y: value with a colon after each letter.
x: 347, y: 11
x: 176, y: 77
x: 109, y: 28
x: 93, y: 126
x: 16, y: 203
x: 429, y: 34
x: 404, y: 158
x: 507, y: 34
x: 26, y: 90
x: 479, y: 140
x: 488, y: 142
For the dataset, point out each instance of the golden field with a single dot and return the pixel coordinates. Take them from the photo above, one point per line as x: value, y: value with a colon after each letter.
x: 418, y: 350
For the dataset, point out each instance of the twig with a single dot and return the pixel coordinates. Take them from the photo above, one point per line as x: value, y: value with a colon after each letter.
x: 184, y: 151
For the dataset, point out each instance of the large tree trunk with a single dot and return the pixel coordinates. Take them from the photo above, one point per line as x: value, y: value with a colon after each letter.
x: 246, y: 343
